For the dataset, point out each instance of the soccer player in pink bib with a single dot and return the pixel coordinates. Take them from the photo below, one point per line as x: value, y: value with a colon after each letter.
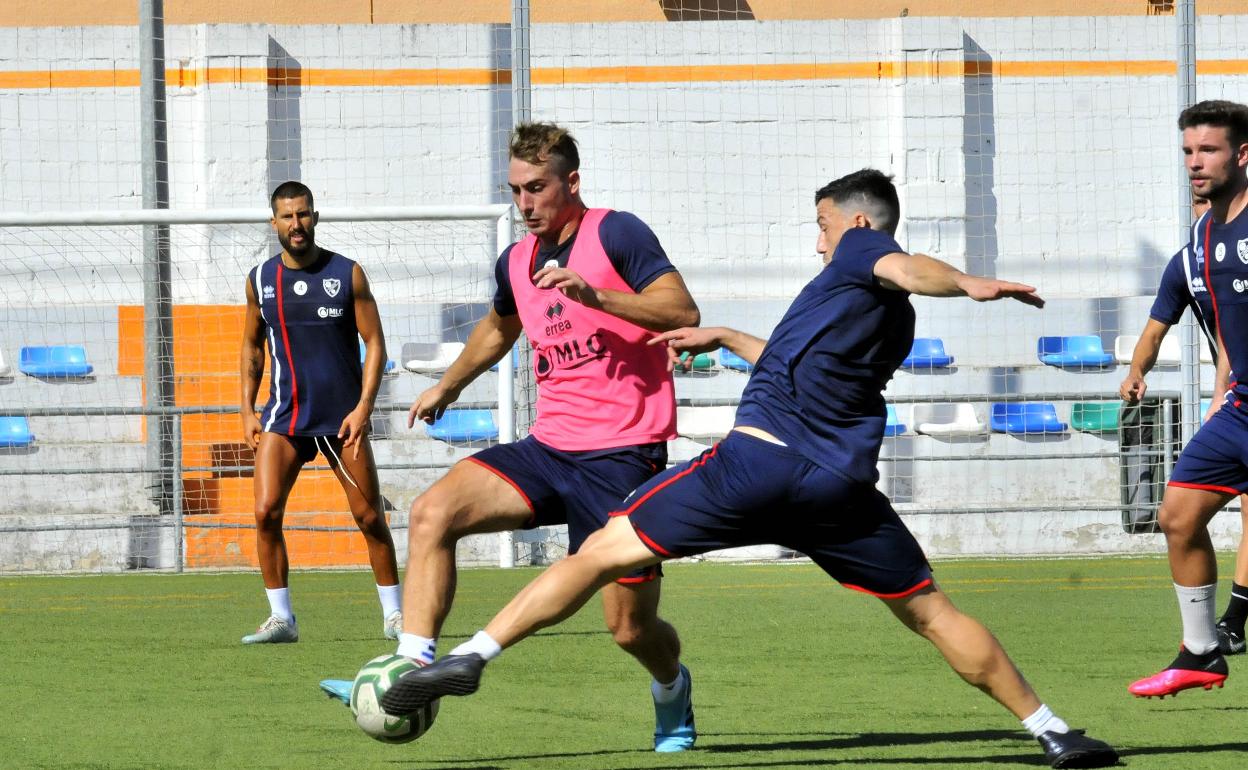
x: 589, y: 287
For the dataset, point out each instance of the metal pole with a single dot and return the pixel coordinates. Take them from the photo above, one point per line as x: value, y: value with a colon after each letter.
x: 1189, y: 401
x: 506, y: 400
x: 157, y: 288
x: 521, y: 88
x: 521, y: 414
x: 179, y: 555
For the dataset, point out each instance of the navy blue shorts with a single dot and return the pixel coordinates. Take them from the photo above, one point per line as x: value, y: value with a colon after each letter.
x: 575, y: 488
x: 306, y: 447
x: 1216, y: 458
x: 747, y: 491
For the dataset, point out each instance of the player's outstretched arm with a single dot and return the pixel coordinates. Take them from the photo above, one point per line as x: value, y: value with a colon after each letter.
x: 251, y: 367
x: 695, y: 340
x: 664, y: 304
x: 1143, y: 358
x: 930, y: 277
x: 490, y: 339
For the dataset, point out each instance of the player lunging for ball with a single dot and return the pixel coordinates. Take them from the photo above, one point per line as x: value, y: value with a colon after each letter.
x: 799, y: 469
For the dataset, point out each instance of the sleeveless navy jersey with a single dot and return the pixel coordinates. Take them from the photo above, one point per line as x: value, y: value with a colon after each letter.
x: 819, y: 384
x: 1183, y: 286
x: 1221, y: 252
x: 314, y: 350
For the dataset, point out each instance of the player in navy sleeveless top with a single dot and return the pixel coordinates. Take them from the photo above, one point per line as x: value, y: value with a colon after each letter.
x: 798, y: 469
x: 311, y: 307
x: 1213, y: 467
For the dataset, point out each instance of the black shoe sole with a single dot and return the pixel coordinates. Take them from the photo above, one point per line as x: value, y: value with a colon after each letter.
x: 1085, y: 759
x: 409, y: 695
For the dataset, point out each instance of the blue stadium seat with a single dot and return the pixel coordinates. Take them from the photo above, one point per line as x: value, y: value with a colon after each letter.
x: 1026, y: 417
x: 364, y: 351
x: 15, y: 432
x: 464, y: 425
x: 54, y: 361
x: 894, y: 425
x: 927, y: 353
x: 1074, y: 352
x: 730, y: 360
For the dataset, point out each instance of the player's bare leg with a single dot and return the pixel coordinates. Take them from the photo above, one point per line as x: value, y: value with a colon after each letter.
x: 1184, y: 517
x: 364, y: 498
x: 358, y: 477
x: 277, y: 467
x: 970, y: 648
x: 1231, y: 624
x: 632, y: 615
x: 976, y: 655
x: 469, y: 499
x: 552, y: 597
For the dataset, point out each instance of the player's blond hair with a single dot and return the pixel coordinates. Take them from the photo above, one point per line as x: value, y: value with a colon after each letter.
x: 546, y: 143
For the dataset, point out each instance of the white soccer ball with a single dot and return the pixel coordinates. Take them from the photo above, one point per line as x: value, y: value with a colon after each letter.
x: 370, y: 684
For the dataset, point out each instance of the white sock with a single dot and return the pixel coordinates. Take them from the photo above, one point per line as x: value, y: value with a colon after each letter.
x: 1045, y: 721
x: 482, y: 644
x: 666, y: 693
x: 420, y: 648
x: 1197, y: 608
x: 391, y: 598
x: 279, y: 603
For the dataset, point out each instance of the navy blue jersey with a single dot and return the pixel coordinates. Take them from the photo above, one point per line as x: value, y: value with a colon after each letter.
x: 1183, y: 286
x: 1221, y: 253
x: 314, y: 348
x: 818, y: 385
x: 632, y: 247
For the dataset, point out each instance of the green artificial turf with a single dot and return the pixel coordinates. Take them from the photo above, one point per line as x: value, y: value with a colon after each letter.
x: 790, y: 671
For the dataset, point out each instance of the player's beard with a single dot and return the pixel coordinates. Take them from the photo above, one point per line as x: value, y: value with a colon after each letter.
x: 309, y: 243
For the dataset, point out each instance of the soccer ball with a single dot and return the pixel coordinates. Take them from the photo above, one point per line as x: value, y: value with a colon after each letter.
x: 370, y: 684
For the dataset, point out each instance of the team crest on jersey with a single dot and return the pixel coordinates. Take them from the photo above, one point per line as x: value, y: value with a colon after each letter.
x: 1219, y: 252
x: 300, y: 288
x: 331, y: 286
x: 1241, y: 248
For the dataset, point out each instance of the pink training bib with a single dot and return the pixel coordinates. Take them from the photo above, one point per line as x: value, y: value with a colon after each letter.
x: 599, y: 385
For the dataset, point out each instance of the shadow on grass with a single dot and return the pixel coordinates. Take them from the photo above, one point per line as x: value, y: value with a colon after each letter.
x: 1028, y: 755
x: 865, y: 740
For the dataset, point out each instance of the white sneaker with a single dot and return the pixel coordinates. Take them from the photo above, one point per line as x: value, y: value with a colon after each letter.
x: 392, y: 626
x: 274, y: 631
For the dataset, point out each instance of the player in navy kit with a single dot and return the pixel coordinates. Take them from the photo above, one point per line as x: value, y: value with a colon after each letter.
x: 312, y: 307
x: 1182, y: 286
x: 1213, y: 467
x: 798, y: 468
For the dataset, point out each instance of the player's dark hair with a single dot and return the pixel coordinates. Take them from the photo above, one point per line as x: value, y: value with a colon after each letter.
x: 1220, y: 113
x: 288, y: 190
x: 870, y: 190
x: 543, y: 143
